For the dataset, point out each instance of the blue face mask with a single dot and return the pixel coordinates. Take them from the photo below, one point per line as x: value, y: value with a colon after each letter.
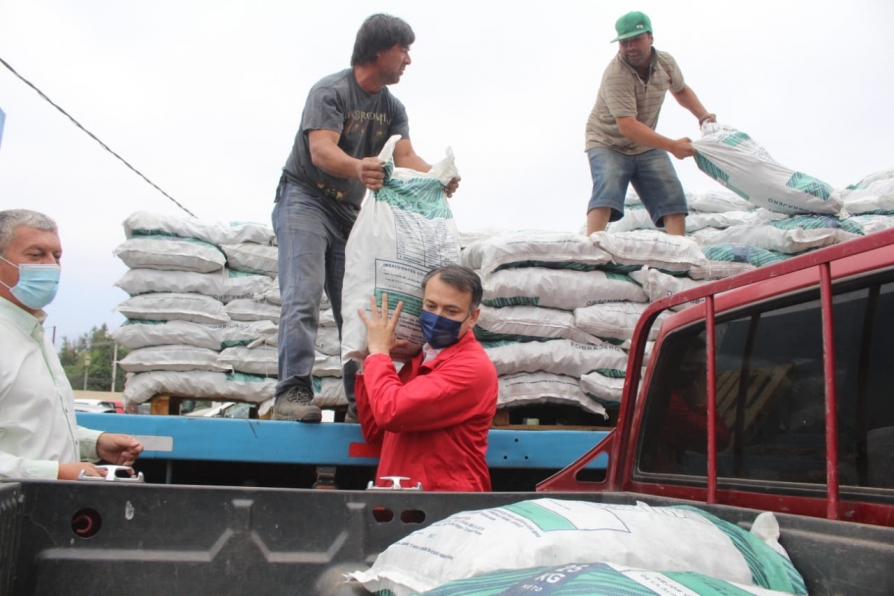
x: 37, y: 284
x: 439, y: 332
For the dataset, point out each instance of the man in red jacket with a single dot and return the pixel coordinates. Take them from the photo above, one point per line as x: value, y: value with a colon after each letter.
x: 432, y: 419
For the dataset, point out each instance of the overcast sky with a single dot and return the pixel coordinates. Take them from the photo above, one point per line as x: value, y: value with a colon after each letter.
x: 205, y: 99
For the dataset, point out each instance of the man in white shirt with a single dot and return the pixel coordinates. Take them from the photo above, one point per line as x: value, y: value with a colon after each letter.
x: 39, y: 435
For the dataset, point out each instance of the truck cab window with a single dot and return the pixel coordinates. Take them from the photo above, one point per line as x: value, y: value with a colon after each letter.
x: 770, y: 393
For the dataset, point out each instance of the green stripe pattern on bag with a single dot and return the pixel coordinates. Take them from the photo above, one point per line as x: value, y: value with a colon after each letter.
x: 769, y: 569
x: 810, y: 185
x: 424, y: 196
x: 583, y: 578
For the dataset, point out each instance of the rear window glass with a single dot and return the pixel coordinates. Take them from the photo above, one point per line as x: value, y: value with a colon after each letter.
x: 770, y: 393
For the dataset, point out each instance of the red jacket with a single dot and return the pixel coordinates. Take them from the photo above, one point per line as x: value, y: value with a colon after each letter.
x: 432, y: 420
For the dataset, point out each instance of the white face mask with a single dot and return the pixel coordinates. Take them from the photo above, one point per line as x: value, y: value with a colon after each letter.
x: 37, y: 284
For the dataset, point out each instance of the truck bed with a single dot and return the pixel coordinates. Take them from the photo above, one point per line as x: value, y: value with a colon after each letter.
x: 63, y: 538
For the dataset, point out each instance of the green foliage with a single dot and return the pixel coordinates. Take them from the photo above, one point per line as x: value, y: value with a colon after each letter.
x: 98, y: 345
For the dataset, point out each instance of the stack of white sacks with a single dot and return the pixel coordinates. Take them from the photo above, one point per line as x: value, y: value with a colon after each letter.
x: 204, y: 311
x: 559, y: 309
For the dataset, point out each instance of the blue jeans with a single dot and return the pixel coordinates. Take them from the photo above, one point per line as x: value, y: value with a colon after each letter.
x: 311, y: 233
x: 652, y: 175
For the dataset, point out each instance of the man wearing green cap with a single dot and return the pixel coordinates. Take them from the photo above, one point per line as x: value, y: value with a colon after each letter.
x: 622, y: 145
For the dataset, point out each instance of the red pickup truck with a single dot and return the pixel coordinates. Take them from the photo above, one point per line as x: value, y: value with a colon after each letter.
x: 773, y: 391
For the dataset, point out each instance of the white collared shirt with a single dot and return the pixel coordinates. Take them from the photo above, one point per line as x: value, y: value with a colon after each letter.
x: 38, y: 428
x: 430, y: 353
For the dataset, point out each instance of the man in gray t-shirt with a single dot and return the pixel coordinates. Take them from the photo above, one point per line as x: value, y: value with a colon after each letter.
x: 347, y: 118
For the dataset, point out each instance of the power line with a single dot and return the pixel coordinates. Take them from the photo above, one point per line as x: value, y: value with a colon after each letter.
x: 93, y: 136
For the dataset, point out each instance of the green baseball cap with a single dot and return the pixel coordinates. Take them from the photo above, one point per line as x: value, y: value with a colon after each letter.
x: 631, y: 25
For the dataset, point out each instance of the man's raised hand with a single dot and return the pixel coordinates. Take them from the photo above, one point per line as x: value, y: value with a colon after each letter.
x: 380, y: 329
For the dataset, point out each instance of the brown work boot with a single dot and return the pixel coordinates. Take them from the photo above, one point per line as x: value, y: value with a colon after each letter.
x: 296, y: 403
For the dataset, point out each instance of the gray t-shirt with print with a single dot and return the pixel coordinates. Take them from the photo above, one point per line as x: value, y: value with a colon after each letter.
x: 364, y: 121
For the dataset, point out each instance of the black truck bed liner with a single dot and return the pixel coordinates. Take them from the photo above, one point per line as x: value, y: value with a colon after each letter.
x: 201, y: 540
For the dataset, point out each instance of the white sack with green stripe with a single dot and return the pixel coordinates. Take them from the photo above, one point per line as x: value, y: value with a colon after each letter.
x: 639, y: 219
x: 565, y: 289
x: 217, y: 386
x: 224, y: 285
x: 249, y: 309
x: 170, y: 254
x: 526, y: 323
x: 660, y: 285
x: 651, y: 248
x: 606, y: 390
x: 525, y: 389
x: 597, y: 579
x: 249, y: 257
x: 142, y: 333
x: 614, y: 320
x: 742, y: 165
x: 329, y: 392
x: 874, y: 194
x: 144, y: 223
x: 781, y: 237
x: 261, y: 360
x: 403, y: 231
x: 527, y: 248
x: 559, y: 532
x: 182, y: 358
x: 559, y: 356
x: 173, y: 306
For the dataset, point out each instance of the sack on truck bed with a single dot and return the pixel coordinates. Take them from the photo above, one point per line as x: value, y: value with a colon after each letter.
x: 739, y: 163
x: 597, y: 579
x: 404, y: 230
x: 559, y: 532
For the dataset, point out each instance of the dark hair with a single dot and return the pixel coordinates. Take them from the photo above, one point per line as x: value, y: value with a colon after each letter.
x: 461, y: 278
x: 380, y: 32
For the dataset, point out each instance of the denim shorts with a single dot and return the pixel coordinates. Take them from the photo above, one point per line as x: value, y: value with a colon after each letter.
x: 652, y: 175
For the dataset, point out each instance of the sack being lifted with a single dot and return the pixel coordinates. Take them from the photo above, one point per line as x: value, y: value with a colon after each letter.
x: 404, y: 230
x: 739, y: 163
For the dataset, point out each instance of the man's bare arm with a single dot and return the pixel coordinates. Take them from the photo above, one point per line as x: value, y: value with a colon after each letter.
x: 641, y: 134
x: 689, y: 100
x: 328, y: 156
